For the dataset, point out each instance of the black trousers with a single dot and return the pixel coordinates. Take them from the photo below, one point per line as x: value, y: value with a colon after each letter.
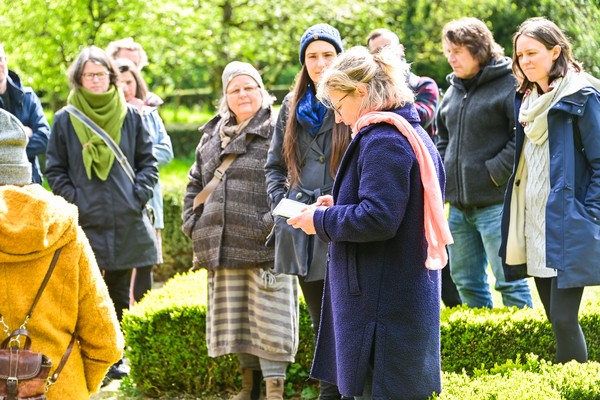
x: 118, y: 283
x: 450, y: 295
x: 562, y: 310
x: 313, y: 296
x: 142, y: 282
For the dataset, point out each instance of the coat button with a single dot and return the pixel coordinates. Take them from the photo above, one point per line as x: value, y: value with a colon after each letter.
x: 298, y: 196
x: 322, y: 160
x: 220, y: 199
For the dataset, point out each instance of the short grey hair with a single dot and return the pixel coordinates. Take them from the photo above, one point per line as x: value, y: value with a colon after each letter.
x: 95, y: 55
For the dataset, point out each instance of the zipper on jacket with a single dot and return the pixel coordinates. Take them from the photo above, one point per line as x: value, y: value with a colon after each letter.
x: 459, y: 180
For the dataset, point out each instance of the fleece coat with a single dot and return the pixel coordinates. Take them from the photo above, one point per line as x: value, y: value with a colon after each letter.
x: 381, y: 306
x: 475, y: 128
x: 33, y: 224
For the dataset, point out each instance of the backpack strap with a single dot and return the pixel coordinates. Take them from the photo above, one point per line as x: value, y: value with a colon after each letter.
x: 52, y: 379
x: 210, y: 187
x: 37, y: 297
x: 44, y: 283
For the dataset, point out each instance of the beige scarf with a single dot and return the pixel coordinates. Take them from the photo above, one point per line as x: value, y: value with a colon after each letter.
x: 228, y: 131
x: 534, y: 116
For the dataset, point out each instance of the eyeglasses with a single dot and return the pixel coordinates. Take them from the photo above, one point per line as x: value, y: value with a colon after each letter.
x: 89, y: 76
x: 337, y: 110
x: 238, y: 92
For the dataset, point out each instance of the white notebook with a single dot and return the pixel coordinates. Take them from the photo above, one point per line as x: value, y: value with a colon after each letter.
x: 288, y: 208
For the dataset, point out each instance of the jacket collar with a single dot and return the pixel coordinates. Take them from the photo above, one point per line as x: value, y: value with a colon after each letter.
x: 574, y: 103
x: 261, y: 125
x: 495, y: 69
x: 14, y: 87
x: 408, y: 112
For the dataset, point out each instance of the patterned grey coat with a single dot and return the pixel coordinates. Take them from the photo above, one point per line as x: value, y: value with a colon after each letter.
x: 230, y: 229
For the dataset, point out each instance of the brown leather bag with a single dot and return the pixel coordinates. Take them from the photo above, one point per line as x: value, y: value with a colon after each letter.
x: 24, y: 373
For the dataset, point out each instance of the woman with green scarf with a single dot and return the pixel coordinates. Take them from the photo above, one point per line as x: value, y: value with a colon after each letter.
x: 81, y: 168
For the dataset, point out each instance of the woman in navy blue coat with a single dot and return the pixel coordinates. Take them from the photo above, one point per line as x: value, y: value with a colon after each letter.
x: 380, y: 323
x: 552, y: 205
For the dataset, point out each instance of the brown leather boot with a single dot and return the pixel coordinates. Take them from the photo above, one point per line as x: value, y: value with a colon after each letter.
x: 251, y: 382
x: 274, y: 388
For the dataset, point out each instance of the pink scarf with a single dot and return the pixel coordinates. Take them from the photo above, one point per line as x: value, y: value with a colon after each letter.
x: 437, y: 231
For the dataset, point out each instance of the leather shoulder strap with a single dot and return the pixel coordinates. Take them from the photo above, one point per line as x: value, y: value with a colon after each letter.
x: 63, y: 361
x: 210, y: 187
x: 44, y: 282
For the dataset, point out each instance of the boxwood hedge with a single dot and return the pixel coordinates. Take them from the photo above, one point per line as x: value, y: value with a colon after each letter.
x: 165, y: 335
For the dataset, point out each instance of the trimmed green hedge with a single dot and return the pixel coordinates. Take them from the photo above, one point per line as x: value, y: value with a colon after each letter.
x: 165, y: 335
x: 534, y: 380
x: 481, y: 338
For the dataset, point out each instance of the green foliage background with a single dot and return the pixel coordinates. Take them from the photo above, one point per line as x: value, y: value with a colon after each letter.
x: 190, y: 41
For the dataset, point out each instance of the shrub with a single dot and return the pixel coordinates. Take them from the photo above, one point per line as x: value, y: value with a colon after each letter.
x: 184, y: 137
x: 481, y: 338
x: 535, y: 380
x: 177, y: 248
x: 481, y: 350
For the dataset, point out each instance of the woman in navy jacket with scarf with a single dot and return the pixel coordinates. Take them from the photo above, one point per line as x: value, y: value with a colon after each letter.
x: 550, y: 224
x: 380, y: 322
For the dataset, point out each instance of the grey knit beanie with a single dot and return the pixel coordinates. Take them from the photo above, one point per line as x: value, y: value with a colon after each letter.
x: 324, y: 32
x: 236, y: 68
x: 15, y: 168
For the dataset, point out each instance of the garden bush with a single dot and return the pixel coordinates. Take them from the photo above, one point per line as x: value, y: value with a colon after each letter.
x: 184, y: 137
x: 165, y: 336
x: 534, y: 380
x: 480, y: 338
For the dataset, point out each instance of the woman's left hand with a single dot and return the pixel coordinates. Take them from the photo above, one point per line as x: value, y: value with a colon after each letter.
x: 304, y: 220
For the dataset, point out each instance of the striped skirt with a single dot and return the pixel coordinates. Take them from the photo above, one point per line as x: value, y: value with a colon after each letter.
x: 252, y: 311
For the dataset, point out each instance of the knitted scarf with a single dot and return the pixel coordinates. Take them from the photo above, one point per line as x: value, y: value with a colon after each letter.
x: 310, y: 112
x: 437, y: 231
x: 108, y: 110
x: 533, y: 114
x: 229, y: 130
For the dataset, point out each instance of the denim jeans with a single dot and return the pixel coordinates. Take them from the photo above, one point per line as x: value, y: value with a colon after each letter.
x: 477, y: 238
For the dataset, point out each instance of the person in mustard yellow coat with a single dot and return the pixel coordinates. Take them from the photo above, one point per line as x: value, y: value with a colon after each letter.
x: 34, y: 223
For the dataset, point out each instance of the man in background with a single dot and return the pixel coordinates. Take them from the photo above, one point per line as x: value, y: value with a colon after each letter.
x: 427, y: 96
x: 131, y: 50
x: 426, y: 90
x: 23, y: 103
